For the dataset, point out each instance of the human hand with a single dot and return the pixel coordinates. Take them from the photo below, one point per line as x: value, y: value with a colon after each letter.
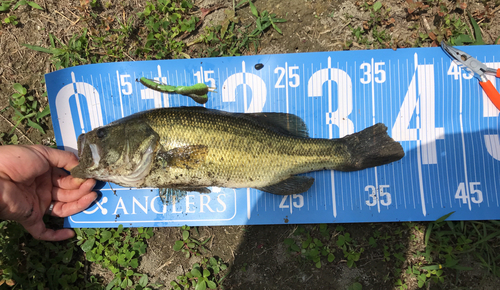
x: 32, y: 184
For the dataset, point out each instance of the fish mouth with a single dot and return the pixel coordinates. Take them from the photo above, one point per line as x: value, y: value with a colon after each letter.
x: 94, y: 150
x: 136, y: 178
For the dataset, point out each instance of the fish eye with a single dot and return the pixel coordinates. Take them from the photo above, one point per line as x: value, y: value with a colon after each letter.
x: 101, y: 133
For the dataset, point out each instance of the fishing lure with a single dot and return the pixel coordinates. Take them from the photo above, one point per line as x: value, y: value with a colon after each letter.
x: 197, y: 92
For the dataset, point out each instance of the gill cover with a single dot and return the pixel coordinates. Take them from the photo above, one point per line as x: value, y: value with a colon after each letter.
x: 121, y: 152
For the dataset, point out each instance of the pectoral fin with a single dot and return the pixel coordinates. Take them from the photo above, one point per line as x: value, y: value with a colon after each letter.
x: 292, y: 185
x: 186, y: 157
x: 171, y: 195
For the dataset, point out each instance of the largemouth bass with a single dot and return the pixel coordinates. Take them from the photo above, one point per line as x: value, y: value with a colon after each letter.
x: 191, y: 148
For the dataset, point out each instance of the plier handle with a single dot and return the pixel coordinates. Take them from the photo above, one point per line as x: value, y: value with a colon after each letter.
x: 479, y: 69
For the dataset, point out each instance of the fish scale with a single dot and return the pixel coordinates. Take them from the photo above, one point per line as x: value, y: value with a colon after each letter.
x: 192, y: 148
x: 241, y: 153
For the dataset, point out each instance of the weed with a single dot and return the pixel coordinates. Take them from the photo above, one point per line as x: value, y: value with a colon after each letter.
x: 27, y: 109
x: 76, y: 52
x: 463, y: 38
x: 415, y: 9
x: 117, y: 250
x: 163, y: 23
x: 449, y: 26
x: 188, y: 245
x: 12, y: 19
x: 226, y: 39
x: 27, y: 263
x: 8, y: 139
x: 7, y: 5
x: 445, y: 245
x: 373, y: 30
x: 355, y: 286
x: 312, y: 249
x: 360, y: 35
x: 263, y: 20
x: 207, y: 273
x: 24, y: 2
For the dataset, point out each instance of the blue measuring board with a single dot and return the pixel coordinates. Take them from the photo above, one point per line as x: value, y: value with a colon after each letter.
x: 438, y: 112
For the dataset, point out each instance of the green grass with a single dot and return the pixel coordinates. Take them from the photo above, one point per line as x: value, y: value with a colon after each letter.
x: 208, y: 273
x: 157, y: 32
x: 27, y: 263
x: 418, y: 254
x: 117, y: 250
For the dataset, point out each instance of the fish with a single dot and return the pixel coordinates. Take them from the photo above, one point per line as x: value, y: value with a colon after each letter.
x: 193, y: 148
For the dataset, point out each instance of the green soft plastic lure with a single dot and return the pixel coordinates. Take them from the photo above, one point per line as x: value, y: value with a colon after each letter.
x: 197, y: 92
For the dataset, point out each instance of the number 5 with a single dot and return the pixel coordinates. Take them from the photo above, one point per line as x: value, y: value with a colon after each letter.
x: 209, y: 79
x: 127, y: 85
x: 296, y: 76
x: 380, y: 71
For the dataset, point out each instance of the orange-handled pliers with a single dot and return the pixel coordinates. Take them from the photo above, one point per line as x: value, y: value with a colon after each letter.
x: 479, y: 70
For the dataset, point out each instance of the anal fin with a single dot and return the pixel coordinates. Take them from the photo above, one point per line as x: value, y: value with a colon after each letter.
x: 292, y: 185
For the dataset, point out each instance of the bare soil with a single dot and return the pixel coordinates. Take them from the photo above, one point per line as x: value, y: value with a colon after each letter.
x: 257, y: 256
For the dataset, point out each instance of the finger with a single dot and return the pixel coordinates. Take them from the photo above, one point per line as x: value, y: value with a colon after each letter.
x: 69, y: 195
x: 63, y: 180
x: 64, y: 209
x: 40, y: 232
x: 57, y: 158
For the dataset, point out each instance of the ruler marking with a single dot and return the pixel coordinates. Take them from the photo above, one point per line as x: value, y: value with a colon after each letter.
x: 249, y: 208
x: 430, y: 131
x: 111, y: 94
x: 472, y: 141
x: 463, y: 140
x: 304, y: 74
x: 479, y: 90
x: 286, y: 86
x: 399, y: 102
x: 419, y: 147
x: 377, y: 189
x: 392, y: 122
x: 119, y: 92
x: 444, y: 93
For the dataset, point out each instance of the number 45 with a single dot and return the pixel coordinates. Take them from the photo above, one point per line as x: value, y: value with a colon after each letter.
x: 464, y: 194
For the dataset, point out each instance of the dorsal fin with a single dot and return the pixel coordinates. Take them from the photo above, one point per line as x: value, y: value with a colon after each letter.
x: 283, y: 123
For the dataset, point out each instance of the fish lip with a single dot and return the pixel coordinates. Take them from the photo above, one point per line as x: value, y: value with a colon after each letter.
x: 96, y: 157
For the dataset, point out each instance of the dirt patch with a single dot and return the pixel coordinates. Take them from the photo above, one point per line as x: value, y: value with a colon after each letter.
x: 257, y: 256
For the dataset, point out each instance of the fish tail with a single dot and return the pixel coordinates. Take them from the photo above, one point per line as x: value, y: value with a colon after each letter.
x: 371, y: 147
